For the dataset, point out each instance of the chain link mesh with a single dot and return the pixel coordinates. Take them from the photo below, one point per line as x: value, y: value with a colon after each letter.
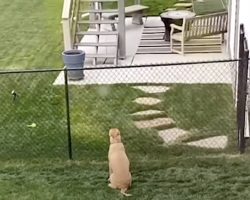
x: 159, y: 110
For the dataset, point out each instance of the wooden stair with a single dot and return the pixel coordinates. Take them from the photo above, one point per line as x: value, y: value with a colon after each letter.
x: 89, y: 23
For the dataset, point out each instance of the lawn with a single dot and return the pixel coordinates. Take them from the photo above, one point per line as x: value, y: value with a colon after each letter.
x: 209, y: 6
x: 186, y: 178
x: 30, y: 35
x: 33, y: 161
x: 94, y: 112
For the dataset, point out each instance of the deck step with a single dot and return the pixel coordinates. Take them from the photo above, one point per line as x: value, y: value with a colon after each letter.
x: 157, y: 36
x: 154, y: 45
x: 100, y: 44
x: 97, y: 22
x: 100, y: 56
x: 156, y: 42
x: 99, y: 11
x: 163, y: 50
x: 154, y: 31
x: 97, y: 33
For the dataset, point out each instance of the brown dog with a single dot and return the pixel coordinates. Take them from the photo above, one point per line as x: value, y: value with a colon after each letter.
x: 119, y: 174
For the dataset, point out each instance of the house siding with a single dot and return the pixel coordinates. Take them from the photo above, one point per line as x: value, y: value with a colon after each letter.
x: 239, y: 13
x: 244, y: 16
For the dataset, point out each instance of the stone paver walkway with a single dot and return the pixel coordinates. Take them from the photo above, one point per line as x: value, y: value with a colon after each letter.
x: 147, y: 112
x: 147, y: 101
x: 152, y: 89
x: 217, y: 142
x: 172, y: 135
x: 154, y: 123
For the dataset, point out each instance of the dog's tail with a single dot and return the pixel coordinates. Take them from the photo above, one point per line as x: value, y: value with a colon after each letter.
x: 123, y: 191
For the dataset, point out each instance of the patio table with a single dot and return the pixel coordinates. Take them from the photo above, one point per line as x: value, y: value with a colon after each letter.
x: 171, y: 16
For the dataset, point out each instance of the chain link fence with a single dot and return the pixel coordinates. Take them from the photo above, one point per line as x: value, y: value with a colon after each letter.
x: 160, y: 110
x: 32, y: 116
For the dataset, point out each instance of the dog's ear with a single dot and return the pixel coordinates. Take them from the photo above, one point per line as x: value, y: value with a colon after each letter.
x: 114, y: 132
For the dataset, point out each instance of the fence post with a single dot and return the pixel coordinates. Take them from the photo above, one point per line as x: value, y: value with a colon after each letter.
x: 240, y: 69
x: 244, y: 98
x: 68, y: 112
x: 242, y: 89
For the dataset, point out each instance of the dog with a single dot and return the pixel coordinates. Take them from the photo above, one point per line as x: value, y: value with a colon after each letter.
x: 119, y: 174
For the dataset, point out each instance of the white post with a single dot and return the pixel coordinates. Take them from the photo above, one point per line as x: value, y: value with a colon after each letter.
x: 121, y: 30
x: 67, y: 37
x: 237, y: 28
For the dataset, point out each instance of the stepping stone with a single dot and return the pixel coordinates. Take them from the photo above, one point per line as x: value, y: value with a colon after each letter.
x: 147, y: 101
x: 170, y: 136
x: 152, y: 89
x: 154, y: 123
x: 217, y: 142
x: 147, y: 112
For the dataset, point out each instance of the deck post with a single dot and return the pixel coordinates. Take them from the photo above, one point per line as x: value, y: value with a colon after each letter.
x: 66, y: 34
x: 121, y: 30
x: 67, y: 37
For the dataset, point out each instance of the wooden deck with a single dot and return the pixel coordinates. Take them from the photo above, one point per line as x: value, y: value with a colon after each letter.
x: 145, y: 44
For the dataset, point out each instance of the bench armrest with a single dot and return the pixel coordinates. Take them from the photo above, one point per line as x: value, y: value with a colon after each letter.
x: 174, y: 26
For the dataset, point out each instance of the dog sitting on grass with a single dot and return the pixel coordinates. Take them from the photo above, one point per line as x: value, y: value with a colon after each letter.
x: 119, y: 174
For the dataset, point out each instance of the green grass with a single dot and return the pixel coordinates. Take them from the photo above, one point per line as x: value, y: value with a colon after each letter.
x: 31, y: 35
x: 157, y: 6
x: 33, y: 161
x: 29, y: 168
x: 95, y: 109
x: 203, y: 107
x: 39, y: 102
x: 185, y: 178
x: 209, y: 6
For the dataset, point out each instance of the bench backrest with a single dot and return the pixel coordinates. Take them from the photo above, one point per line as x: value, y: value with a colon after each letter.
x: 205, y: 25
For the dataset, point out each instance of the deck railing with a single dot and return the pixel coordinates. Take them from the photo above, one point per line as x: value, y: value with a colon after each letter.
x: 69, y: 17
x: 69, y: 20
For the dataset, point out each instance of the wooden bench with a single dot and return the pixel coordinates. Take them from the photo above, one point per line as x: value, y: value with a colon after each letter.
x: 198, y: 27
x: 135, y: 10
